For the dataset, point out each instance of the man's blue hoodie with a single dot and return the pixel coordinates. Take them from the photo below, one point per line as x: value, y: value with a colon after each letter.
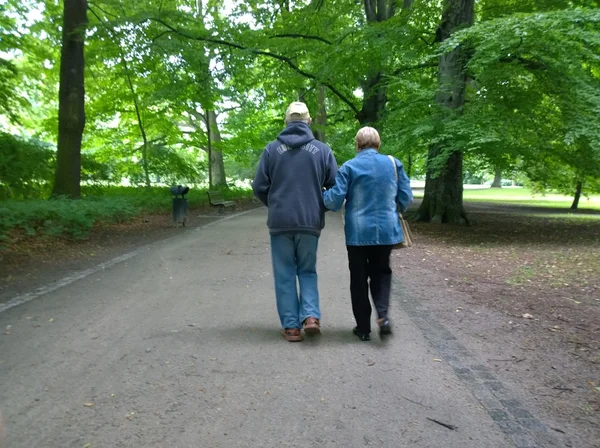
x: 290, y: 177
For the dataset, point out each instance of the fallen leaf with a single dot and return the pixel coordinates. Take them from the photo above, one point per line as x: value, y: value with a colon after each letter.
x: 51, y: 319
x: 437, y: 360
x: 89, y: 404
x: 87, y: 445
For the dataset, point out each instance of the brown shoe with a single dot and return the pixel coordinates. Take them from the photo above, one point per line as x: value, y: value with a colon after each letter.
x: 312, y: 325
x: 292, y: 334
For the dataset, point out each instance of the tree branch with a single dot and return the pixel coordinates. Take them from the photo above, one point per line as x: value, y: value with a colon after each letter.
x: 430, y: 64
x: 94, y: 4
x: 527, y: 63
x: 303, y: 36
x: 429, y: 44
x: 197, y: 115
x: 158, y: 36
x: 279, y: 57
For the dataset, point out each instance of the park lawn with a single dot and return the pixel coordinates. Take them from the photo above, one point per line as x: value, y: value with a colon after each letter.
x: 525, y: 197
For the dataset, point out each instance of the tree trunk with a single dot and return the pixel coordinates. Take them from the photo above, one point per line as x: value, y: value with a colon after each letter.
x: 71, y: 101
x: 321, y: 116
x: 497, y: 178
x: 140, y: 124
x: 443, y: 198
x: 374, y: 90
x: 578, y: 189
x: 443, y: 202
x: 217, y: 167
x: 374, y: 100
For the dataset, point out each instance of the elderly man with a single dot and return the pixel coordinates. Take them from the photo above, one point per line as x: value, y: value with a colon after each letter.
x: 289, y: 180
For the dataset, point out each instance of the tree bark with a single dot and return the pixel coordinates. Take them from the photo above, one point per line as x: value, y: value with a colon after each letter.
x: 140, y: 124
x: 217, y: 166
x: 577, y: 196
x: 71, y: 101
x: 374, y: 100
x: 321, y: 116
x: 443, y: 199
x: 497, y: 178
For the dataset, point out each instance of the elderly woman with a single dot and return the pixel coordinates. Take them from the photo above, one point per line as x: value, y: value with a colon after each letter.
x: 374, y: 187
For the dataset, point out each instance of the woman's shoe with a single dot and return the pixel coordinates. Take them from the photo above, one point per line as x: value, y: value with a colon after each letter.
x: 361, y: 336
x: 385, y: 327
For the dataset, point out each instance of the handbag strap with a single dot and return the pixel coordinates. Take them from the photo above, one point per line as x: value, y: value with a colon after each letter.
x: 395, y: 167
x: 396, y: 175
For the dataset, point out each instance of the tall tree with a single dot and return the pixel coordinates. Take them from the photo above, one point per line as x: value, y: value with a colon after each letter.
x: 71, y: 109
x: 443, y: 199
x: 373, y: 84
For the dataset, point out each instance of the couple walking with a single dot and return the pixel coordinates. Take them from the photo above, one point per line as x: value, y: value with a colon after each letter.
x: 297, y: 179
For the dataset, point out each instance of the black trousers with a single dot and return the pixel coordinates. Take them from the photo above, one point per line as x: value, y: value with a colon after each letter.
x: 369, y: 267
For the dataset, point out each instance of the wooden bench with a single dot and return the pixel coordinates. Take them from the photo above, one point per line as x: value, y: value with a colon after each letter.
x: 216, y: 199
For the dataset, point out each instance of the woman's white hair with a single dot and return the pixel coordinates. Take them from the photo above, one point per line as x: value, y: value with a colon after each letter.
x: 367, y: 137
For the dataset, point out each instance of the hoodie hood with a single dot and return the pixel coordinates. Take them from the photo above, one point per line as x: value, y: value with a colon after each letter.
x: 296, y: 134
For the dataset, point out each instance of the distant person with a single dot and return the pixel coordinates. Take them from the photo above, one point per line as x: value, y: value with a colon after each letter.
x: 289, y: 180
x: 375, y: 187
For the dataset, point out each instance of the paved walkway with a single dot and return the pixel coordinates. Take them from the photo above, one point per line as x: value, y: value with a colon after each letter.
x: 178, y: 347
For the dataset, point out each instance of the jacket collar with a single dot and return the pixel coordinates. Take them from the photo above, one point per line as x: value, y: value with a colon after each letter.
x: 367, y: 151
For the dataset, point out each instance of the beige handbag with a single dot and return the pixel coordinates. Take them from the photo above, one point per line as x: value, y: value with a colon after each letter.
x: 405, y: 228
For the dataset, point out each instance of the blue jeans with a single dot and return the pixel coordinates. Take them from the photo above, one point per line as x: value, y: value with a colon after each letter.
x: 295, y: 255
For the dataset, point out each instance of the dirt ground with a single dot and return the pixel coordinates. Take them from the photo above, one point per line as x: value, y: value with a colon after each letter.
x: 522, y: 291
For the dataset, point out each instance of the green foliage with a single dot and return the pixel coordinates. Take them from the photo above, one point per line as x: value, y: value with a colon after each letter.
x: 75, y: 219
x: 532, y: 98
x: 26, y: 167
x: 62, y: 217
x: 9, y: 101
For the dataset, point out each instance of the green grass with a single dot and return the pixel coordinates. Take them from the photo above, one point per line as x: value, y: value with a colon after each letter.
x: 574, y: 217
x: 522, y: 275
x: 74, y: 219
x: 524, y: 196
